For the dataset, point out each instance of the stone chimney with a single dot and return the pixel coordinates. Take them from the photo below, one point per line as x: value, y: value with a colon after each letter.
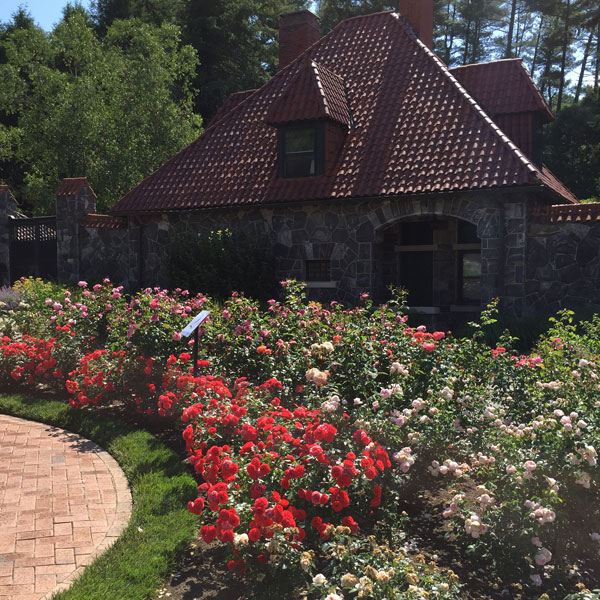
x: 297, y: 31
x: 419, y: 13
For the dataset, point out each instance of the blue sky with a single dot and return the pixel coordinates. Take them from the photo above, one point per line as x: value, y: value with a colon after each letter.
x: 46, y: 13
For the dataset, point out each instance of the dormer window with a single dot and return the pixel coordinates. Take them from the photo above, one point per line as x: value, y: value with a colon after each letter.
x: 300, y: 150
x: 313, y: 106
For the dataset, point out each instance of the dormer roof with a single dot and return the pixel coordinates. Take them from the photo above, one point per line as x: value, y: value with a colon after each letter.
x: 314, y: 92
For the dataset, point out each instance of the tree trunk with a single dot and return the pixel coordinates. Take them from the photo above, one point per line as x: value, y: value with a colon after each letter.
x: 511, y: 28
x: 517, y: 46
x: 449, y: 35
x: 563, y: 60
x: 586, y: 53
x: 466, y: 52
x: 537, y: 46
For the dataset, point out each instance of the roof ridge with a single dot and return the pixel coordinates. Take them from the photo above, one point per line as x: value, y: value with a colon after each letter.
x: 317, y: 78
x: 536, y: 91
x: 487, y: 62
x: 503, y: 137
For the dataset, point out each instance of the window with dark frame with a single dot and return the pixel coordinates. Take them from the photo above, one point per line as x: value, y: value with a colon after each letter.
x: 300, y: 150
x: 318, y: 270
x: 470, y: 277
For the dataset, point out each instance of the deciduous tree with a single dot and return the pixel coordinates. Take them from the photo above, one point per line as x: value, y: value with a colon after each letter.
x: 112, y: 110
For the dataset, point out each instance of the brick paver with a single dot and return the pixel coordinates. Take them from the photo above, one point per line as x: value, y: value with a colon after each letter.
x: 63, y: 501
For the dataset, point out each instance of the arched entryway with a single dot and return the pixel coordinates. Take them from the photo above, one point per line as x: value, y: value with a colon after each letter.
x: 437, y: 259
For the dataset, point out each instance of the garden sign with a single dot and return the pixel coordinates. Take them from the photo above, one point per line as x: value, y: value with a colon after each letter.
x: 192, y: 326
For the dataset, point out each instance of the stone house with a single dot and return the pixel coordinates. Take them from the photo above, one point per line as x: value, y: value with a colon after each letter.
x: 367, y: 162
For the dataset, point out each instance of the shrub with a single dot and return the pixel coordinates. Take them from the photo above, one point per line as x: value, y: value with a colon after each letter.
x: 219, y: 262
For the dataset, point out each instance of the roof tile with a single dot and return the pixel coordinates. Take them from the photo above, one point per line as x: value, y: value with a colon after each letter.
x: 95, y: 221
x: 71, y: 186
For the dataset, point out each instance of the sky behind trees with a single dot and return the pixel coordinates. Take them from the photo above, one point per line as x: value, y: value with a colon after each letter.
x: 45, y: 13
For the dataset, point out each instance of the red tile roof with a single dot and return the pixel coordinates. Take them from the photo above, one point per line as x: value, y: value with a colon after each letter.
x: 71, y: 186
x: 559, y: 213
x: 416, y: 130
x: 314, y: 93
x: 557, y: 186
x: 230, y: 104
x: 94, y: 221
x: 502, y: 86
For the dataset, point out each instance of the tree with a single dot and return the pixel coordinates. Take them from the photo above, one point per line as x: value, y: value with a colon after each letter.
x: 110, y: 110
x: 153, y: 12
x: 236, y: 41
x: 478, y: 19
x: 331, y: 12
x: 572, y: 146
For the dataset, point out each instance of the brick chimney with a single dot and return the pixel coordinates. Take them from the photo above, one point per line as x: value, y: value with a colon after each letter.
x: 419, y: 13
x: 297, y: 31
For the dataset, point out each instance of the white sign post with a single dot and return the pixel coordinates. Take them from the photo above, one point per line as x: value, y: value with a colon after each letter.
x: 192, y: 326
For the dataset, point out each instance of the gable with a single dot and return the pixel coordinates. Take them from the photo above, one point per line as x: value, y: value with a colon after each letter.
x: 503, y: 87
x: 415, y: 130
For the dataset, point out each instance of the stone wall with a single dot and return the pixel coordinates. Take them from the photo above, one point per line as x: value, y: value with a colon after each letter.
x: 75, y: 199
x: 8, y: 209
x: 563, y: 258
x: 347, y: 233
x: 89, y: 246
x: 104, y: 249
x: 536, y: 259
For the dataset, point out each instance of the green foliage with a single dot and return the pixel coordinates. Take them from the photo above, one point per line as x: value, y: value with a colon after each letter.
x: 572, y: 146
x: 112, y: 109
x: 223, y: 261
x: 153, y: 12
x: 236, y: 41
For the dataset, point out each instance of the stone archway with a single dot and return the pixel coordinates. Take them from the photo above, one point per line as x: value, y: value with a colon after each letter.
x: 437, y: 259
x: 481, y: 215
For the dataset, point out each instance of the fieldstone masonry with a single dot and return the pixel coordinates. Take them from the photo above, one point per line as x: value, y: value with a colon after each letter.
x: 8, y: 209
x: 349, y: 233
x: 536, y: 258
x: 563, y: 258
x: 74, y: 201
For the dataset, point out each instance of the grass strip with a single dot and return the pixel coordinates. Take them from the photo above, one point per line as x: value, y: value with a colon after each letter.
x: 160, y: 528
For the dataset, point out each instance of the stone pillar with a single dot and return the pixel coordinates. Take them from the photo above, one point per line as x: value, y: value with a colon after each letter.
x: 75, y: 200
x: 515, y: 228
x: 490, y: 231
x: 135, y: 263
x: 8, y: 208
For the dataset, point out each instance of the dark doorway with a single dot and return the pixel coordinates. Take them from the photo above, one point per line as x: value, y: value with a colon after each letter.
x: 437, y: 260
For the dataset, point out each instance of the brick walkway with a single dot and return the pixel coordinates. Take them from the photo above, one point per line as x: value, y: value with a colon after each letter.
x: 63, y: 501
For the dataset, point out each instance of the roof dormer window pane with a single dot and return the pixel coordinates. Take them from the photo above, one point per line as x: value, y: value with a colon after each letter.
x: 298, y: 151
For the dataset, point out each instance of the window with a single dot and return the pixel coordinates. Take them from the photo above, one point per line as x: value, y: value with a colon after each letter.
x: 300, y: 152
x: 470, y: 277
x: 318, y: 270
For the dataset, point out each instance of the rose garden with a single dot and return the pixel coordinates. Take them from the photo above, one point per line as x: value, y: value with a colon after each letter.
x: 323, y: 439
